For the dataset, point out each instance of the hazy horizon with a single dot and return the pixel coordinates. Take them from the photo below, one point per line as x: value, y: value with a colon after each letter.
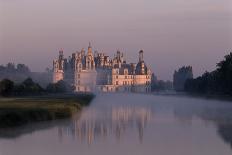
x: 172, y: 33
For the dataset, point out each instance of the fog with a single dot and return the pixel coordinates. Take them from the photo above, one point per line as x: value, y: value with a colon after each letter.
x: 172, y: 33
x: 130, y: 124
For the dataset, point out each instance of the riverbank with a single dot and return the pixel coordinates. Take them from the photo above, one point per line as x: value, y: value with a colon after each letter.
x: 23, y: 110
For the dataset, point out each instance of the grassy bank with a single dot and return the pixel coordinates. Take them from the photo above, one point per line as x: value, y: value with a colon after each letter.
x: 19, y: 111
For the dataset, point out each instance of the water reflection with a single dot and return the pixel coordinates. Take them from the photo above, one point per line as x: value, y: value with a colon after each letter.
x: 17, y: 132
x: 131, y: 124
x: 117, y: 122
x: 220, y: 115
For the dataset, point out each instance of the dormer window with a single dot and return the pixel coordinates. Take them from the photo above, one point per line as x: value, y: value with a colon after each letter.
x: 117, y: 71
x: 125, y: 71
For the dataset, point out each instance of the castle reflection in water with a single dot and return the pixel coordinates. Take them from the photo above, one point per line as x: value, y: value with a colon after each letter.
x: 91, y: 126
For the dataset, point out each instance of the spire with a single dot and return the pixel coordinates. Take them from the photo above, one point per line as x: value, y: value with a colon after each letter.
x: 140, y: 55
x: 61, y: 51
x: 89, y: 45
x: 90, y: 49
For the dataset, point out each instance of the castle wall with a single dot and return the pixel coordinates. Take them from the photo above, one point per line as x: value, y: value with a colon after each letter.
x: 57, y: 76
x: 85, y: 81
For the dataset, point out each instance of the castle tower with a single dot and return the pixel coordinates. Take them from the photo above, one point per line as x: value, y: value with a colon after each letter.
x: 90, y: 49
x: 58, y: 68
x: 140, y: 55
x: 61, y: 55
x: 90, y: 64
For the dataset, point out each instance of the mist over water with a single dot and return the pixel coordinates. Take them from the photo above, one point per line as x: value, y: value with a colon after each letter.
x: 172, y: 33
x: 130, y: 124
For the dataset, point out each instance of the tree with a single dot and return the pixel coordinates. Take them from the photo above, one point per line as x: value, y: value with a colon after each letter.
x: 28, y: 86
x: 179, y: 78
x: 6, y: 87
x: 216, y: 82
x: 224, y: 72
x: 2, y: 68
x: 23, y: 68
x: 160, y: 85
x: 59, y: 87
x: 10, y: 67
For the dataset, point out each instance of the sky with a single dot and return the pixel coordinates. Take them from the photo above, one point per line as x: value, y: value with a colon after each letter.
x: 172, y: 33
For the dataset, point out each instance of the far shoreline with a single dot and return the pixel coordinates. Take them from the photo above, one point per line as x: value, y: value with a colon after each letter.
x: 221, y: 97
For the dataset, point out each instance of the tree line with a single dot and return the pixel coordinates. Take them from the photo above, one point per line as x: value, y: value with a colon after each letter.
x: 12, y: 68
x: 180, y: 76
x: 160, y: 85
x: 29, y: 87
x: 217, y: 82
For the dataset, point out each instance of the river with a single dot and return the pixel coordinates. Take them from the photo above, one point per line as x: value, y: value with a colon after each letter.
x: 130, y: 124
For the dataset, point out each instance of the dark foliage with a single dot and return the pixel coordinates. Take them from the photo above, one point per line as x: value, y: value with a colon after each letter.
x: 11, y: 68
x: 180, y: 77
x: 160, y: 85
x: 217, y: 82
x: 28, y: 86
x: 59, y: 87
x: 6, y: 87
x: 23, y: 68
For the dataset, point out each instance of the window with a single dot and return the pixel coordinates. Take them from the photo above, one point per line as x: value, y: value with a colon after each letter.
x: 125, y: 71
x: 79, y: 82
x: 78, y: 76
x: 125, y: 77
x: 116, y: 77
x: 116, y: 82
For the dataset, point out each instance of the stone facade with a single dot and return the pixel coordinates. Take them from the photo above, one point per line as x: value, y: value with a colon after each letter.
x: 88, y: 72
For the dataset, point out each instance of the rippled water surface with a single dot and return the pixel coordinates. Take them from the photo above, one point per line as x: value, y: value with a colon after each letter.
x: 130, y: 124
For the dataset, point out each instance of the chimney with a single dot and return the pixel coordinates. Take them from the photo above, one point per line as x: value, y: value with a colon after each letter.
x: 140, y: 55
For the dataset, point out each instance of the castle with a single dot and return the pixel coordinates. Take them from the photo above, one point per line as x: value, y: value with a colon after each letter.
x: 91, y: 72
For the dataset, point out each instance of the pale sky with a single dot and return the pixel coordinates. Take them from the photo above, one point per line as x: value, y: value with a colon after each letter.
x: 172, y: 33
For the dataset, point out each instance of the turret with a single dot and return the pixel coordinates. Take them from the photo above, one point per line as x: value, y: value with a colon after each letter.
x: 58, y: 68
x: 61, y: 55
x: 140, y: 55
x: 90, y: 64
x: 89, y: 49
